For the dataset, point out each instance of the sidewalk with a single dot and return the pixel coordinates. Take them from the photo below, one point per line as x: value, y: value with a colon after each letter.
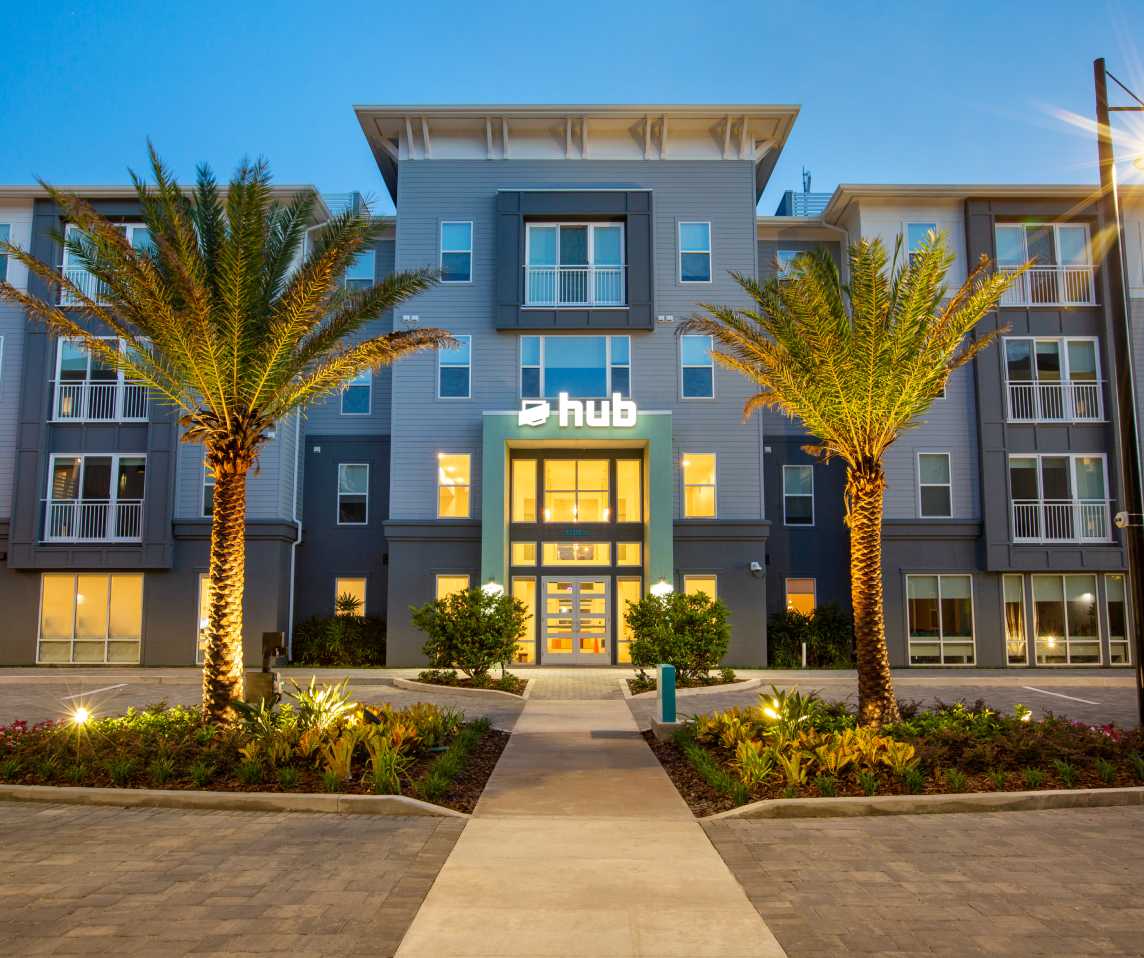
x: 581, y: 846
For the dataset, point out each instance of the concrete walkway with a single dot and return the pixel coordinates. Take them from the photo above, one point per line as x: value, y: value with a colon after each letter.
x: 581, y: 846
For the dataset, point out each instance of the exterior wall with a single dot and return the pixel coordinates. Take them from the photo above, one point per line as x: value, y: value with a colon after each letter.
x: 19, y: 218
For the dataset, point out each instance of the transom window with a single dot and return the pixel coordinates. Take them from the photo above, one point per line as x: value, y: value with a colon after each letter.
x: 457, y: 251
x: 585, y: 367
x: 1053, y: 379
x: 697, y: 368
x: 798, y: 495
x: 1065, y: 619
x: 574, y: 264
x: 940, y: 611
x: 454, y: 370
x: 935, y: 489
x: 695, y: 252
x: 90, y: 618
x: 353, y: 493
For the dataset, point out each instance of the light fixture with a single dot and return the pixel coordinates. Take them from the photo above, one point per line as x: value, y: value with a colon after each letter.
x: 80, y: 716
x: 661, y: 588
x: 492, y: 587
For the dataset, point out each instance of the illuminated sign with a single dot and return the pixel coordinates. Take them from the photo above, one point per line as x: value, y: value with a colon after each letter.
x: 616, y: 412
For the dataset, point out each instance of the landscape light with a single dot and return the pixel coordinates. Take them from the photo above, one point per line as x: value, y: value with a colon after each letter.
x: 661, y: 588
x: 80, y: 716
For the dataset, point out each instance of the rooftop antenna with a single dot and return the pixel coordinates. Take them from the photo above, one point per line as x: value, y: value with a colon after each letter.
x: 805, y: 180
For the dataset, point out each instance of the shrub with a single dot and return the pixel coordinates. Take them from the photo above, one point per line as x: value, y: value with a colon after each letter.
x: 345, y: 639
x: 689, y: 632
x: 828, y: 633
x: 471, y: 630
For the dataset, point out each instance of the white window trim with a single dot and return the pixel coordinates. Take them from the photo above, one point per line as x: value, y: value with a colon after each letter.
x: 1056, y: 228
x: 679, y: 251
x: 441, y: 251
x: 920, y: 484
x: 783, y: 271
x: 338, y: 502
x: 120, y: 382
x: 703, y: 485
x: 1067, y: 637
x: 609, y: 365
x: 1072, y: 457
x: 813, y: 517
x: 469, y: 485
x: 107, y: 626
x: 469, y: 366
x: 710, y: 364
x: 941, y: 625
x: 591, y: 227
x: 112, y: 499
x: 354, y: 383
x: 1066, y: 372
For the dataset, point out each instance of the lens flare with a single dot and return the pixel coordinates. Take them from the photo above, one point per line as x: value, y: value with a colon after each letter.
x: 80, y: 716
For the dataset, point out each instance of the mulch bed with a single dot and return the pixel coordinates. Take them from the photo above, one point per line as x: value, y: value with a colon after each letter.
x: 510, y: 683
x: 636, y: 686
x: 467, y: 787
x: 701, y: 798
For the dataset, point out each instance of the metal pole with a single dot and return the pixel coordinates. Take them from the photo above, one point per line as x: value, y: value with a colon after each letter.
x: 1109, y: 207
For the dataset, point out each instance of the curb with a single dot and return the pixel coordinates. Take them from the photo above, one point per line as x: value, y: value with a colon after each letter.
x: 746, y: 685
x: 787, y: 808
x: 410, y: 684
x: 228, y: 801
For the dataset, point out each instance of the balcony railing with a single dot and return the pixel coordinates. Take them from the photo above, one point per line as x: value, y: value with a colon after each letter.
x: 93, y: 520
x: 1052, y: 286
x: 111, y: 401
x: 1056, y: 402
x: 1061, y: 520
x: 574, y: 286
x: 85, y: 282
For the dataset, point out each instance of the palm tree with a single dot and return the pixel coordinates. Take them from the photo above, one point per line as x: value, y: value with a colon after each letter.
x: 858, y: 364
x: 234, y: 319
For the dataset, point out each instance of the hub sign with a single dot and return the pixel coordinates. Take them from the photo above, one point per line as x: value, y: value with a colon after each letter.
x: 615, y: 412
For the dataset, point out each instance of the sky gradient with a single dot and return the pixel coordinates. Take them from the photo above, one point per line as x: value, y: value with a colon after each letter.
x: 905, y: 92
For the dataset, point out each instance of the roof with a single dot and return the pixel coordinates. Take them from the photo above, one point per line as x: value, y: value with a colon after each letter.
x: 846, y: 193
x: 128, y: 192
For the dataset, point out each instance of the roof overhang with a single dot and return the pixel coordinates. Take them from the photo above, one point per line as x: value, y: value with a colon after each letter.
x: 283, y: 193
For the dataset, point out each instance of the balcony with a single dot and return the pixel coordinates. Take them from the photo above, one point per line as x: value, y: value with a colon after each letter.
x: 88, y: 401
x: 598, y: 286
x: 1061, y: 520
x: 1052, y: 286
x: 93, y: 520
x: 85, y: 282
x: 1080, y: 401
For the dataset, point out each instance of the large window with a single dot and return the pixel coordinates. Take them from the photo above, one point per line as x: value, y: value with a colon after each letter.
x: 935, y: 490
x: 800, y: 595
x: 357, y: 394
x: 1053, y: 380
x: 940, y: 610
x: 696, y: 584
x: 1016, y: 644
x: 90, y: 618
x: 699, y: 494
x: 454, y: 478
x: 585, y: 367
x: 697, y: 368
x: 454, y: 370
x: 1059, y: 498
x: 1062, y: 270
x: 353, y: 493
x: 524, y: 589
x: 574, y: 264
x: 360, y: 272
x: 576, y: 553
x: 456, y: 252
x: 90, y: 387
x: 577, y: 490
x: 629, y: 491
x: 1065, y: 619
x: 138, y: 235
x: 695, y: 252
x: 524, y: 490
x: 347, y: 590
x: 1118, y: 642
x: 798, y: 495
x: 450, y: 583
x: 93, y: 498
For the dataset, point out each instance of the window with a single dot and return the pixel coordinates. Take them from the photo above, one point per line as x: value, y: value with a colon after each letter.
x: 800, y: 595
x: 585, y: 367
x: 453, y: 481
x: 576, y: 553
x: 523, y: 553
x: 357, y: 394
x: 202, y: 623
x: 353, y: 494
x: 629, y: 591
x: 576, y: 490
x: 697, y: 368
x: 916, y: 235
x: 360, y: 272
x: 95, y: 498
x: 784, y: 262
x: 1065, y: 620
x: 349, y: 595
x: 798, y: 495
x: 524, y: 490
x: 1062, y: 265
x: 1053, y: 379
x: 450, y: 584
x: 940, y: 609
x: 6, y: 237
x: 574, y: 264
x: 695, y: 584
x: 454, y: 370
x: 1059, y: 498
x: 74, y: 270
x: 1118, y: 643
x: 695, y: 252
x: 699, y: 499
x: 90, y: 387
x: 524, y: 589
x: 1016, y: 646
x: 456, y: 252
x: 629, y: 553
x: 629, y: 492
x: 935, y: 490
x: 208, y: 490
x: 90, y: 618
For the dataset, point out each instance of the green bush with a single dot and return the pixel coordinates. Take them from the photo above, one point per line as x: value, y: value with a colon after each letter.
x: 828, y: 633
x: 472, y: 630
x: 690, y: 632
x: 344, y: 639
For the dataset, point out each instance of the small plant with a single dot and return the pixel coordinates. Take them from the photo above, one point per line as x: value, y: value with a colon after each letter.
x: 1066, y: 772
x: 332, y: 782
x: 711, y: 772
x: 755, y: 762
x: 288, y: 778
x: 1138, y: 766
x: 201, y: 774
x: 161, y: 770
x: 868, y: 782
x: 790, y: 791
x: 794, y: 767
x: 387, y: 764
x: 913, y: 780
x: 788, y: 712
x: 120, y: 771
x: 338, y: 755
x: 997, y: 779
x: 76, y: 774
x: 1034, y: 778
x: 899, y: 756
x: 249, y: 773
x: 955, y: 780
x: 827, y: 785
x: 1105, y: 770
x: 9, y: 769
x: 321, y: 707
x: 726, y: 675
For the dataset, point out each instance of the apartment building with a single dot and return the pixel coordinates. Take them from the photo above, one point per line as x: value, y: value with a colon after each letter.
x: 574, y: 449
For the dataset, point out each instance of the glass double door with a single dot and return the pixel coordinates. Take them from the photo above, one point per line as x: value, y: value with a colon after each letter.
x: 576, y: 619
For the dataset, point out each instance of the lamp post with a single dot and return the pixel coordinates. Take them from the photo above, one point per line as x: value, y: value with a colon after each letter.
x: 1115, y: 271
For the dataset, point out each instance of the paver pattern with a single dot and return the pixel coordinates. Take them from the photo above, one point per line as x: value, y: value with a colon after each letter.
x: 110, y: 881
x: 1052, y: 883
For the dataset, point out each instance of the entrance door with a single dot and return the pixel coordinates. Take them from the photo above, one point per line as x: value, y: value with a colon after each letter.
x: 576, y: 620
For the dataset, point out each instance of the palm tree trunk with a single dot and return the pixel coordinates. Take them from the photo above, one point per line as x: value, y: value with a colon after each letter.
x: 222, y: 667
x: 865, y: 489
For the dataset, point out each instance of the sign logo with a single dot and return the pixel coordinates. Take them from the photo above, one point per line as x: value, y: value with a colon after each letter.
x: 615, y: 412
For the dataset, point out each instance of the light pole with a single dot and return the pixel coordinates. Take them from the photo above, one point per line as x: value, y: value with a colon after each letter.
x: 1114, y: 265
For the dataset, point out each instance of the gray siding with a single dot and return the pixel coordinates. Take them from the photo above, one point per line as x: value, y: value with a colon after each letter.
x: 11, y: 375
x: 268, y: 489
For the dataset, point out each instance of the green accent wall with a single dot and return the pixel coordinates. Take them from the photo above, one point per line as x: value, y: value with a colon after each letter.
x: 501, y: 432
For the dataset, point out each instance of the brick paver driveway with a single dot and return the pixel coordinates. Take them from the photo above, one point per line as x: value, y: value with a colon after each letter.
x: 1062, y: 883
x: 110, y: 881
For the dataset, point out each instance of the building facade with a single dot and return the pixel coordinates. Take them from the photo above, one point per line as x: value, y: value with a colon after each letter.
x: 574, y: 449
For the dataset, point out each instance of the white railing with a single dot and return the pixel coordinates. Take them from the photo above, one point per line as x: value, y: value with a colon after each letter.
x: 87, y: 400
x: 1056, y: 402
x: 93, y: 520
x: 1061, y: 520
x: 574, y: 286
x: 85, y: 282
x: 1052, y: 286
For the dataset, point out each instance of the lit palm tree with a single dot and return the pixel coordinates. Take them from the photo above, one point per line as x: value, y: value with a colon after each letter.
x: 858, y: 364
x: 228, y: 317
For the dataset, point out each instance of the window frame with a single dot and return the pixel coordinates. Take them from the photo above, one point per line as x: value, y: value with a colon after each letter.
x: 107, y: 639
x: 338, y: 502
x: 784, y: 259
x: 704, y: 576
x: 941, y: 639
x: 468, y: 367
x: 468, y: 485
x: 680, y: 251
x: 1009, y: 663
x: 610, y: 365
x: 356, y: 577
x: 1066, y: 379
x: 1055, y: 225
x: 1127, y: 640
x: 936, y: 485
x: 591, y: 226
x: 369, y: 283
x: 683, y: 366
x: 906, y: 224
x: 356, y: 383
x: 813, y: 580
x: 112, y: 498
x: 684, y: 484
x: 441, y: 251
x: 1068, y: 663
x: 438, y: 576
x: 1072, y: 457
x: 799, y: 495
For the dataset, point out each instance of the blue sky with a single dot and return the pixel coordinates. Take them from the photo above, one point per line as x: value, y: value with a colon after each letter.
x: 903, y: 92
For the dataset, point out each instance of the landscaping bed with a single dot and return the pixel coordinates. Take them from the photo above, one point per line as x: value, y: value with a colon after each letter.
x: 793, y: 745
x: 321, y: 742
x: 450, y: 679
x: 648, y: 683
